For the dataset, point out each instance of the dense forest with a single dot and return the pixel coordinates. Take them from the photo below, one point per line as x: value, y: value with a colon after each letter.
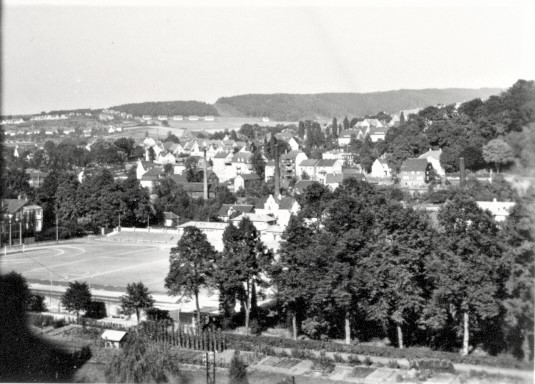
x: 154, y: 108
x: 292, y: 107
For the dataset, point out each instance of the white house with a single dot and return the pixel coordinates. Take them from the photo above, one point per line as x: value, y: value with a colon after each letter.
x: 244, y: 181
x: 112, y: 338
x: 309, y: 167
x: 281, y: 209
x: 178, y: 118
x: 433, y: 157
x: 499, y: 209
x: 325, y: 166
x: 381, y: 169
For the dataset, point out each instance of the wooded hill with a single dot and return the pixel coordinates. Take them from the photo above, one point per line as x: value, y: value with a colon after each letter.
x: 169, y: 108
x: 292, y: 107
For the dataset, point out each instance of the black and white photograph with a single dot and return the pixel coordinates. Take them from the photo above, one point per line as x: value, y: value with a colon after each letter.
x: 267, y: 192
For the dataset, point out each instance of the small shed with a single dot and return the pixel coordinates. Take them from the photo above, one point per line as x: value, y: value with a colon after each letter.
x: 171, y: 219
x: 113, y: 339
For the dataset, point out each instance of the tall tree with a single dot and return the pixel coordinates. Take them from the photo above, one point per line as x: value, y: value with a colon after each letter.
x: 137, y: 298
x: 498, y: 152
x: 244, y: 261
x: 334, y: 128
x: 77, y: 298
x: 191, y: 266
x: 291, y: 273
x: 394, y: 271
x: 346, y: 123
x: 258, y: 163
x: 467, y: 270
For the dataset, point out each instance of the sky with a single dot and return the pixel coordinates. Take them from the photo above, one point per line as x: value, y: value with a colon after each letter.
x: 82, y: 53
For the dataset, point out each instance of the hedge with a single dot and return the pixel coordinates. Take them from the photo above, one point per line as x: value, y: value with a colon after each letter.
x: 254, y: 343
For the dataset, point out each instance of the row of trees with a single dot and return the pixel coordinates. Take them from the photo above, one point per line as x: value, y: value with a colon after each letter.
x: 385, y: 267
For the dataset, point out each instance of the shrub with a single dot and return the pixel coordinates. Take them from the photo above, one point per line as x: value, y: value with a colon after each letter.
x: 237, y: 373
x: 36, y: 303
x: 367, y: 361
x: 59, y: 323
x: 393, y: 364
x: 338, y: 358
x: 353, y: 360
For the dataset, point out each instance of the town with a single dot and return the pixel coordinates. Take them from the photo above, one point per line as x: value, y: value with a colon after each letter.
x: 301, y: 193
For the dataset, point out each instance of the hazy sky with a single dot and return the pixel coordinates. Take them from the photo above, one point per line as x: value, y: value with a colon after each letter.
x: 60, y: 56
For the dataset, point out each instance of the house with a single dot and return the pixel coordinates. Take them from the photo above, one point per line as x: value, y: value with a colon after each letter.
x: 381, y: 169
x: 193, y: 118
x: 147, y: 117
x: 344, y: 137
x: 178, y: 118
x: 301, y: 185
x: 171, y: 219
x: 36, y: 177
x: 325, y: 166
x: 288, y: 137
x: 165, y: 158
x: 143, y: 167
x: 281, y: 208
x: 414, y: 173
x: 162, y: 117
x: 307, y: 167
x: 265, y: 119
x: 18, y: 210
x: 228, y: 211
x: 196, y: 190
x: 377, y: 133
x: 242, y: 162
x: 288, y: 165
x: 209, y: 118
x: 433, y: 157
x: 333, y: 180
x: 260, y: 221
x: 499, y: 209
x: 113, y: 339
x: 245, y: 181
x: 151, y: 177
x: 222, y: 166
x: 339, y: 154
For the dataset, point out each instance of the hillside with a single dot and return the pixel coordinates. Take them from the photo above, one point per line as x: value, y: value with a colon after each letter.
x: 154, y: 108
x: 291, y: 107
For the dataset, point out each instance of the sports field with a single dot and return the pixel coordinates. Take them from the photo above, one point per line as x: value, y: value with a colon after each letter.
x: 103, y: 265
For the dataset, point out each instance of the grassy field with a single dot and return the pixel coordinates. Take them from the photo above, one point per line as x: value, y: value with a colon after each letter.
x: 105, y: 265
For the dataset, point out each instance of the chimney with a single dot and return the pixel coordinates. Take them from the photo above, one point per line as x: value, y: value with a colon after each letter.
x: 462, y: 181
x: 205, y: 177
x: 277, y: 171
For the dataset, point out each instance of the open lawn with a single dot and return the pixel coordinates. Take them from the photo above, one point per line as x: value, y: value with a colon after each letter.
x: 105, y: 265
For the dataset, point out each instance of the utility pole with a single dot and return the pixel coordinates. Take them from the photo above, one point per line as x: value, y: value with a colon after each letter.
x: 205, y: 179
x: 20, y: 232
x: 10, y: 242
x: 57, y: 230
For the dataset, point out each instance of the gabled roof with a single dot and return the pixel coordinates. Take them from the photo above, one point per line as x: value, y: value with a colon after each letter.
x: 255, y: 217
x: 409, y: 165
x: 326, y: 163
x: 290, y: 155
x: 286, y: 203
x: 13, y: 205
x: 112, y: 335
x: 242, y: 155
x: 249, y: 176
x: 332, y: 178
x: 261, y: 202
x: 431, y: 155
x: 348, y: 133
x: 170, y: 216
x: 238, y: 208
x: 193, y: 187
x: 154, y: 172
x: 308, y: 163
x: 220, y: 155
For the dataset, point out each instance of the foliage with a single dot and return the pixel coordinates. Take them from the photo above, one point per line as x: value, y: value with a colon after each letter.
x: 36, y: 303
x: 185, y: 108
x: 191, y: 266
x: 137, y: 298
x: 137, y: 362
x: 292, y: 107
x: 498, y: 152
x: 238, y: 370
x: 77, y: 297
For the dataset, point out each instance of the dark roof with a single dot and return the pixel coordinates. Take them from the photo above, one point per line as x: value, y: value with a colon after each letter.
x: 220, y: 155
x: 286, y: 203
x: 193, y: 187
x: 249, y: 176
x: 290, y: 155
x: 13, y: 205
x: 326, y: 162
x: 348, y: 133
x: 238, y: 208
x: 242, y: 155
x: 301, y: 185
x: 171, y: 216
x: 308, y: 163
x: 261, y: 202
x: 154, y: 172
x: 419, y: 165
x: 331, y: 178
x: 179, y: 178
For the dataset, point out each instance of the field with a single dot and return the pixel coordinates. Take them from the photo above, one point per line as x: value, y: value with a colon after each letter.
x: 104, y: 265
